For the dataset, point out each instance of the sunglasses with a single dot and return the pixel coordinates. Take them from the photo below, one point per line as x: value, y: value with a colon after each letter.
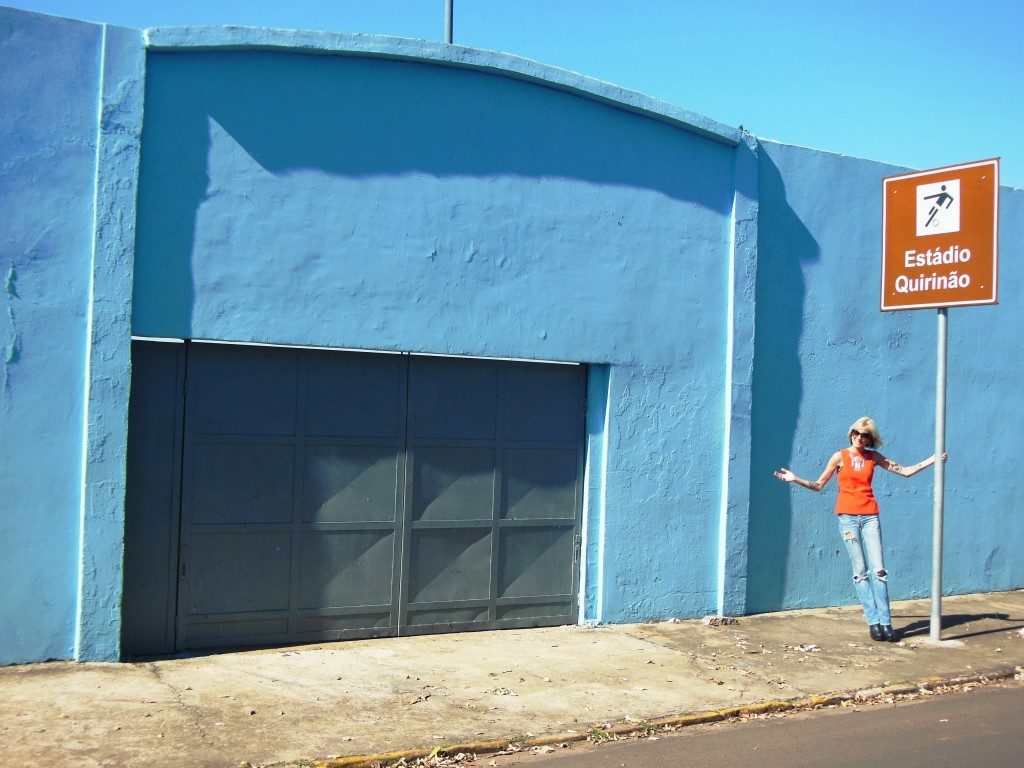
x: 865, y: 435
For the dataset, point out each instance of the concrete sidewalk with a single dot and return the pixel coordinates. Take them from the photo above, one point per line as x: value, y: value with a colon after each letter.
x: 368, y: 697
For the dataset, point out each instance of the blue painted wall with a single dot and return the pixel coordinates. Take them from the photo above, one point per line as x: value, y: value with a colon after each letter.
x: 372, y: 193
x: 49, y: 93
x: 368, y: 203
x: 825, y: 355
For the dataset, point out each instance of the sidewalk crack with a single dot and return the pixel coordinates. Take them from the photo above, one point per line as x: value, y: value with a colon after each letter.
x: 191, y: 709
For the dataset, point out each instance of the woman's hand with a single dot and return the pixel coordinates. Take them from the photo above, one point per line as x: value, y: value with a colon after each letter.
x: 945, y: 457
x: 785, y: 475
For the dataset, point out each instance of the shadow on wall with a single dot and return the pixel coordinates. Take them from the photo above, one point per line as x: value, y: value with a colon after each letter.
x: 366, y: 117
x: 784, y: 246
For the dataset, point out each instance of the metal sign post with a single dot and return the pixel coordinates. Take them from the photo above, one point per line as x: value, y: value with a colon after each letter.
x: 940, y: 232
x: 935, y: 632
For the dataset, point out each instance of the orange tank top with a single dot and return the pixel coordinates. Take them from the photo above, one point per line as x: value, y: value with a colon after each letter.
x: 855, y: 494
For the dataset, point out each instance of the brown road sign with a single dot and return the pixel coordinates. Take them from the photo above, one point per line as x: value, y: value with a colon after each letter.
x: 940, y: 237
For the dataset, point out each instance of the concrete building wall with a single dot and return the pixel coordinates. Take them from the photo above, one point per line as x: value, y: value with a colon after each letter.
x: 380, y: 194
x: 49, y: 92
x: 825, y: 356
x: 68, y: 154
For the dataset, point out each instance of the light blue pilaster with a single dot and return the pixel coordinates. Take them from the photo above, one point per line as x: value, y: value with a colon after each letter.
x: 734, y: 513
x: 108, y: 351
x: 592, y: 549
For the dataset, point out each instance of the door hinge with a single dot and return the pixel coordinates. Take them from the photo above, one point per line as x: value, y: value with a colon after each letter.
x: 183, y: 562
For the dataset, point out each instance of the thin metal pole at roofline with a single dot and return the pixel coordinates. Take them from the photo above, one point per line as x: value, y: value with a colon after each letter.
x: 449, y: 12
x: 935, y: 633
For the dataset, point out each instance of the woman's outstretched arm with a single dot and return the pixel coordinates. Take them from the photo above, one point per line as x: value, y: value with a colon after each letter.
x: 899, y: 469
x: 787, y: 476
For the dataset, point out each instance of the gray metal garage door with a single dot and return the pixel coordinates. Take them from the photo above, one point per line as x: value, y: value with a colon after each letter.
x: 494, y: 494
x: 328, y: 495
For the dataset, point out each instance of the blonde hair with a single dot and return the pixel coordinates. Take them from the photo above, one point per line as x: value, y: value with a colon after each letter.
x: 866, y: 424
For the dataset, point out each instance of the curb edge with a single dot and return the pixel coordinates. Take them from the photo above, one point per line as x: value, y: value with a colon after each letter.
x: 676, y: 720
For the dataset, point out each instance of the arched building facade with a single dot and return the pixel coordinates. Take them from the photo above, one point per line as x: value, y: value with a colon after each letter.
x: 312, y: 336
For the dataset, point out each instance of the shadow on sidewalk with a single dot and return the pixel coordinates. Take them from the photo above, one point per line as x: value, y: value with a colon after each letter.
x: 921, y: 626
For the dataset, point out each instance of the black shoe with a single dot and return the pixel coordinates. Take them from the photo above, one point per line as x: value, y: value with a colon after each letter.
x: 889, y: 633
x: 876, y: 632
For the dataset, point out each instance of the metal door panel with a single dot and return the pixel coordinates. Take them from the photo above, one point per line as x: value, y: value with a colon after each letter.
x: 484, y: 548
x: 292, y: 486
x: 238, y: 631
x: 240, y: 455
x: 352, y: 495
x: 453, y: 483
x: 244, y: 390
x: 241, y: 483
x: 540, y: 483
x: 452, y: 618
x: 238, y: 572
x: 453, y: 399
x: 536, y: 613
x: 337, y: 624
x: 152, y: 502
x: 452, y: 453
x: 542, y: 473
x: 542, y: 402
x: 343, y: 568
x: 450, y: 564
x: 535, y: 562
x: 361, y: 397
x: 350, y: 483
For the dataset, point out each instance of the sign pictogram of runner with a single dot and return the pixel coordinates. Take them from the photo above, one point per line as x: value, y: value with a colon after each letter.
x: 940, y: 231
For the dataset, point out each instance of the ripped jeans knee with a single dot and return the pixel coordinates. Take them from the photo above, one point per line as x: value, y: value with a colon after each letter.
x: 881, y: 574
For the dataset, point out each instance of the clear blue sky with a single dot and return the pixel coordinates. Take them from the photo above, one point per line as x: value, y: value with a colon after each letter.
x: 919, y: 83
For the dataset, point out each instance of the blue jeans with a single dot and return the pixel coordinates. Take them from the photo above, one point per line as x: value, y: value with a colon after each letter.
x: 862, y: 535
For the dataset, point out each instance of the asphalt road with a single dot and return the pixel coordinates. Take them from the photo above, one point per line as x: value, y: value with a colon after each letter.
x: 981, y: 728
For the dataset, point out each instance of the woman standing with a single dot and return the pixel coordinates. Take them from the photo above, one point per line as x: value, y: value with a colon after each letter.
x: 857, y: 511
